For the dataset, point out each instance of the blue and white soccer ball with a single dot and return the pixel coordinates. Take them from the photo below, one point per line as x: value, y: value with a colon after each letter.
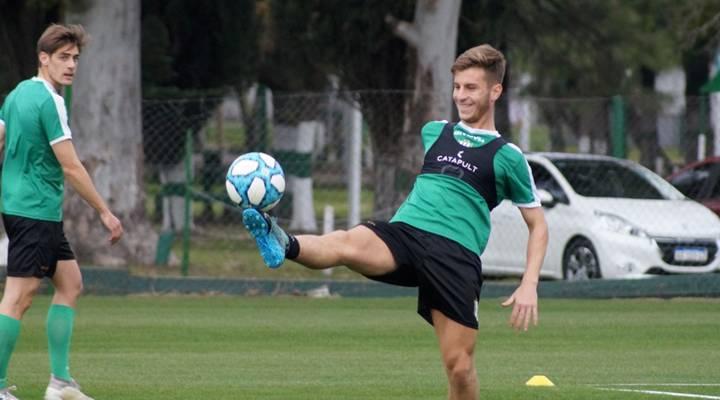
x: 255, y: 180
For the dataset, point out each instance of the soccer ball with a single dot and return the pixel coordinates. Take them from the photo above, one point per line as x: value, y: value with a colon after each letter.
x: 255, y: 180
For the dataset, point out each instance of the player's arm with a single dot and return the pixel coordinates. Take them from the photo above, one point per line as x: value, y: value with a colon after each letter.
x: 524, y: 299
x: 2, y: 129
x: 522, y: 191
x: 78, y: 177
x: 537, y: 243
x: 2, y: 136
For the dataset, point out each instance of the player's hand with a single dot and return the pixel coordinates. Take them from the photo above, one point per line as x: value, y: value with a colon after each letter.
x: 525, y: 306
x: 113, y: 225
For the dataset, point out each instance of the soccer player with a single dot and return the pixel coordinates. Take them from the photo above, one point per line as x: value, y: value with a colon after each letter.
x: 39, y: 156
x: 435, y: 239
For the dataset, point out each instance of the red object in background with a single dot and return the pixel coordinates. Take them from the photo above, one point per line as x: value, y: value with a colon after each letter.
x: 700, y: 181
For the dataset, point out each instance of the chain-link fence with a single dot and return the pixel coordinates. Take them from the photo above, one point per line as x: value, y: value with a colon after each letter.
x: 324, y: 142
x: 309, y: 134
x: 325, y: 149
x: 659, y: 132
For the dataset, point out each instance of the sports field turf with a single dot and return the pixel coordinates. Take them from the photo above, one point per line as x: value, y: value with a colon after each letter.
x: 298, y: 348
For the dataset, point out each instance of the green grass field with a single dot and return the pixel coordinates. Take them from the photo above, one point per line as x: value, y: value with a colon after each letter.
x: 294, y: 348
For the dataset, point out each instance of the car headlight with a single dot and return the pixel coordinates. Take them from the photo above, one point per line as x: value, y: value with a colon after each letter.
x: 619, y: 224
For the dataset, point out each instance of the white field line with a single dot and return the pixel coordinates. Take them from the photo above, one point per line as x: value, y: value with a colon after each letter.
x: 672, y: 394
x: 656, y: 384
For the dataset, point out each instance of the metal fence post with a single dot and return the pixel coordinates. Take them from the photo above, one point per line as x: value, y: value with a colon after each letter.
x: 262, y: 112
x: 354, y: 168
x: 188, y: 201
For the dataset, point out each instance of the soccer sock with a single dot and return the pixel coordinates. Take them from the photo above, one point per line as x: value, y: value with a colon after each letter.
x: 9, y: 332
x: 293, y: 247
x: 60, y: 320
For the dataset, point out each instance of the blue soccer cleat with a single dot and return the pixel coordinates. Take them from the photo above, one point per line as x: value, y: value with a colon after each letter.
x: 271, y: 240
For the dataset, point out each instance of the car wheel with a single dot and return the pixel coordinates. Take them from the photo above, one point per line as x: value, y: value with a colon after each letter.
x: 580, y: 261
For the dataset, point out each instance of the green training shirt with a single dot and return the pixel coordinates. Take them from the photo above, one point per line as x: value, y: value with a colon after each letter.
x: 35, y: 118
x: 450, y: 207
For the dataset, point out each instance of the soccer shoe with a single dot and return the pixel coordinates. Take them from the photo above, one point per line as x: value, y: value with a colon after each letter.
x: 60, y: 389
x: 6, y: 395
x: 271, y: 240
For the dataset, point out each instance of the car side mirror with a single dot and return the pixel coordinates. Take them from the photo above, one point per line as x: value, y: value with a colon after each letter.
x: 546, y: 198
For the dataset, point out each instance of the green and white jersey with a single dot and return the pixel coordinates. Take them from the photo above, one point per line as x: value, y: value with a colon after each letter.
x: 450, y: 207
x: 35, y: 118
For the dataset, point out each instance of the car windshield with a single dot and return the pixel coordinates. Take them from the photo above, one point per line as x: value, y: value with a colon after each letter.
x: 609, y: 178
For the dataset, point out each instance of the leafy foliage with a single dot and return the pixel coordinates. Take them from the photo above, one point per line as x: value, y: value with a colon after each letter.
x: 190, y: 45
x: 576, y: 48
x: 309, y: 40
x: 698, y: 23
x: 21, y: 24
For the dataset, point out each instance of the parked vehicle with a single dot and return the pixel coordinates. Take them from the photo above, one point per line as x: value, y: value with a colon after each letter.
x: 607, y: 218
x: 700, y: 181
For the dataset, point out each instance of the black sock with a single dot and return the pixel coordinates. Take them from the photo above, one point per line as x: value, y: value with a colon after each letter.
x: 293, y: 247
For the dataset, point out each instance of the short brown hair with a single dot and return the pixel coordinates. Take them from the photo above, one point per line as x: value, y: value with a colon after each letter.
x: 484, y: 56
x: 57, y: 36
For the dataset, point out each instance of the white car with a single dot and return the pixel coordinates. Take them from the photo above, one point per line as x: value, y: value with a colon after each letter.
x: 607, y: 218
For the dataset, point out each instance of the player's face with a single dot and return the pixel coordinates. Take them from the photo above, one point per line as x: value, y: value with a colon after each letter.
x: 473, y: 95
x: 59, y: 67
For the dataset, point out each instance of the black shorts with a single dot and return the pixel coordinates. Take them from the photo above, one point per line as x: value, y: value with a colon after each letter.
x: 448, y: 275
x: 35, y: 246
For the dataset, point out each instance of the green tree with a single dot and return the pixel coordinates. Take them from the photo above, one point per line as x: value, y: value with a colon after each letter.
x: 198, y: 46
x: 193, y: 51
x: 21, y: 24
x: 357, y: 41
x: 699, y: 24
x: 584, y: 49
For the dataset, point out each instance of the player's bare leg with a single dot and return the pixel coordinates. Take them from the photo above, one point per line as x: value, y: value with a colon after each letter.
x: 457, y: 346
x: 18, y: 296
x: 67, y: 282
x: 359, y: 248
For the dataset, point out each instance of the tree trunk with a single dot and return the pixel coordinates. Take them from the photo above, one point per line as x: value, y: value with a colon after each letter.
x: 21, y: 24
x: 502, y: 106
x: 107, y: 133
x: 594, y: 127
x: 297, y: 142
x: 173, y: 204
x: 714, y: 123
x: 380, y: 112
x: 433, y: 38
x: 643, y: 113
x: 253, y: 108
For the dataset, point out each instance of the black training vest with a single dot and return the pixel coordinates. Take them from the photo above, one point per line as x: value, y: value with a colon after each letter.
x: 471, y: 165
